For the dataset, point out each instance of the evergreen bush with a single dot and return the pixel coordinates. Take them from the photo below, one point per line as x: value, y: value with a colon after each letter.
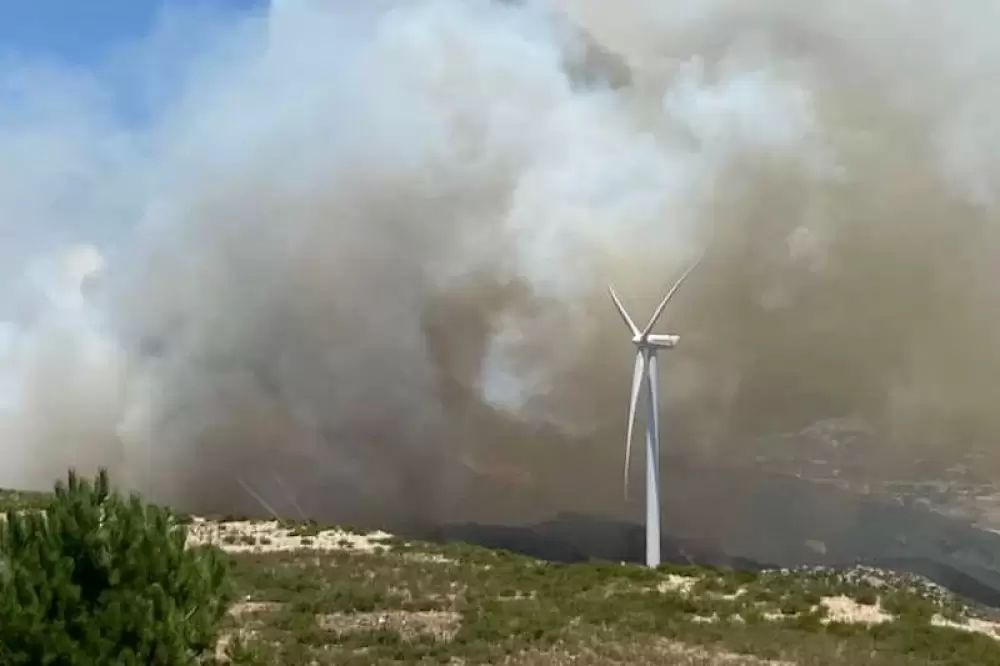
x: 98, y: 579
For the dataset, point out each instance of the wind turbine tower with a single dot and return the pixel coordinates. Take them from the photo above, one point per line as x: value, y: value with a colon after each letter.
x: 644, y: 377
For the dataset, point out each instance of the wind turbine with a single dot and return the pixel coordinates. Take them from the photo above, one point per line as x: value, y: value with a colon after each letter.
x: 644, y: 375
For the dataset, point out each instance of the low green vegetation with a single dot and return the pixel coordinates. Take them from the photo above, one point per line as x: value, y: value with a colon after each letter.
x: 456, y: 604
x: 302, y: 594
x: 21, y: 500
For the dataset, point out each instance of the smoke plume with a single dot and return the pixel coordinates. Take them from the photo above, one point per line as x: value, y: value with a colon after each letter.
x: 351, y: 255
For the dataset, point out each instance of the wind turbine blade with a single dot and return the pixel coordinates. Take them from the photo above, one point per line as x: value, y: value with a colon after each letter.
x: 260, y: 500
x: 637, y: 377
x: 290, y: 496
x: 621, y: 310
x: 670, y: 294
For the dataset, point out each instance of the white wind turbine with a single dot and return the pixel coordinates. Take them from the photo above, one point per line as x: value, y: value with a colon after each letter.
x: 647, y: 344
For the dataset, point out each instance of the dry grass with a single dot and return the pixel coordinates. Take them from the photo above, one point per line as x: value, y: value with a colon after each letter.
x: 315, y: 596
x: 410, y: 625
x: 307, y: 595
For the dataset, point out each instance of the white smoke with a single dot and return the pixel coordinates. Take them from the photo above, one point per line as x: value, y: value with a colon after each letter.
x: 339, y: 237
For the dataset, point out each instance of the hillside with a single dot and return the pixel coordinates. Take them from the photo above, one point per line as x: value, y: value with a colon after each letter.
x: 336, y: 596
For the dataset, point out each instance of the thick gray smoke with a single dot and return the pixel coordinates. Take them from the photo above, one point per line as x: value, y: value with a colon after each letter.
x: 354, y: 253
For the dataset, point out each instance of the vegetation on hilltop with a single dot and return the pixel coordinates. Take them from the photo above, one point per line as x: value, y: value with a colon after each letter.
x: 304, y: 594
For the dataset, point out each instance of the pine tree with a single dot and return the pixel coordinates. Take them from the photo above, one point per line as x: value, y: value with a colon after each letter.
x: 98, y: 579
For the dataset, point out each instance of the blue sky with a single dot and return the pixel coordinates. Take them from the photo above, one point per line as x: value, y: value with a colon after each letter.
x: 73, y: 75
x: 131, y: 47
x: 82, y: 33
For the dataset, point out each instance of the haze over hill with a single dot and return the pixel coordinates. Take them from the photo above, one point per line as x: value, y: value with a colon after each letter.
x: 365, y: 251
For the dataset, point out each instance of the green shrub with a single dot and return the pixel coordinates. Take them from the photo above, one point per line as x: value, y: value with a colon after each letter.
x: 97, y: 579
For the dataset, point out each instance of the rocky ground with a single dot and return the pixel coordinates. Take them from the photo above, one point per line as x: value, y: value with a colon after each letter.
x: 318, y: 596
x: 837, y: 452
x: 314, y: 595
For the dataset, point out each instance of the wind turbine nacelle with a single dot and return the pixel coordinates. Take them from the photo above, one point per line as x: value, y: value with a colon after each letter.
x: 663, y: 341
